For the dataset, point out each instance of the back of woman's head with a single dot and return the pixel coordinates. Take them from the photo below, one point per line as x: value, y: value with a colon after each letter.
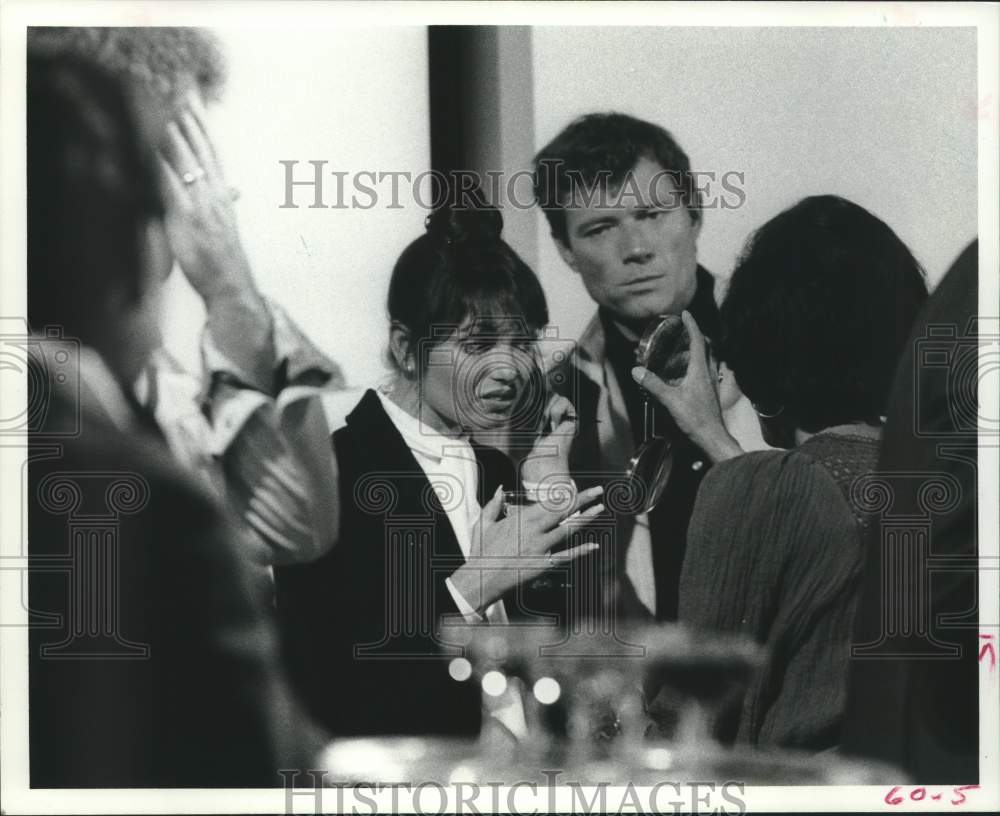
x: 91, y: 192
x: 817, y: 312
x: 461, y: 270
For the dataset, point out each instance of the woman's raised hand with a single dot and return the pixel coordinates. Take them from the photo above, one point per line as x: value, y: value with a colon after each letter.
x: 513, y: 547
x: 203, y: 235
x: 549, y: 456
x: 201, y: 220
x: 693, y: 401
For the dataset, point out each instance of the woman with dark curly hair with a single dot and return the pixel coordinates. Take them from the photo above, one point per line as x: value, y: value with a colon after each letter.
x: 814, y: 322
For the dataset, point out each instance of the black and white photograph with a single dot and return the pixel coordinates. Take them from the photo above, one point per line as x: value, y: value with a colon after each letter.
x: 499, y: 407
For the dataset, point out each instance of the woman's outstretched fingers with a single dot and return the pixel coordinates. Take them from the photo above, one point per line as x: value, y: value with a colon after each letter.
x: 493, y: 509
x: 584, y: 498
x: 559, y: 534
x: 574, y: 552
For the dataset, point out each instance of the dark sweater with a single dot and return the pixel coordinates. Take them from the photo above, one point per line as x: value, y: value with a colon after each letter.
x: 775, y: 551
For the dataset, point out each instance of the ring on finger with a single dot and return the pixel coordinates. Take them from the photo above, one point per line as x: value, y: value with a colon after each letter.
x: 549, y: 562
x: 191, y: 176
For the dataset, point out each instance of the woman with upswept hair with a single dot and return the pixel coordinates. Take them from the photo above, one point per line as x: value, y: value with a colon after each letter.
x: 422, y: 501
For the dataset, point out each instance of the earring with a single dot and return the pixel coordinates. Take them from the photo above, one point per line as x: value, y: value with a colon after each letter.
x: 767, y: 414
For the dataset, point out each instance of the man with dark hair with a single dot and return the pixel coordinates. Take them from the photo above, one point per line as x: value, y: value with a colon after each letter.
x: 625, y: 213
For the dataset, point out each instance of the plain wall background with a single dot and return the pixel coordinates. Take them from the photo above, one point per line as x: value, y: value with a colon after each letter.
x: 885, y: 117
x: 357, y: 98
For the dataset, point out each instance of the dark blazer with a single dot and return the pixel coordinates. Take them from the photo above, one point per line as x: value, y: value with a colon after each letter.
x: 913, y: 696
x: 153, y: 662
x: 359, y: 625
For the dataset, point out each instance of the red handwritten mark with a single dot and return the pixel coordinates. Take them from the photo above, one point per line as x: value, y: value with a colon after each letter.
x: 988, y: 648
x: 894, y: 797
x: 960, y: 788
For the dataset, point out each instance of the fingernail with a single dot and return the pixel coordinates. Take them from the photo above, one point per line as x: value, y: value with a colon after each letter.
x: 638, y: 374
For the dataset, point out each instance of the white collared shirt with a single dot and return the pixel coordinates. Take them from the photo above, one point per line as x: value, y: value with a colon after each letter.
x: 450, y: 464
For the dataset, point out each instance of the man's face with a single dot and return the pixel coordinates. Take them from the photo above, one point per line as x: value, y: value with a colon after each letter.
x: 635, y: 249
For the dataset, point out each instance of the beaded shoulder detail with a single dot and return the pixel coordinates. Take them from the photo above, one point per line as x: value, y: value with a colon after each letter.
x: 846, y: 457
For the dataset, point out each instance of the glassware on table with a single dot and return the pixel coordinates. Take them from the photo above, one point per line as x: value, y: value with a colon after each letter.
x: 585, y: 716
x: 401, y: 759
x: 583, y: 700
